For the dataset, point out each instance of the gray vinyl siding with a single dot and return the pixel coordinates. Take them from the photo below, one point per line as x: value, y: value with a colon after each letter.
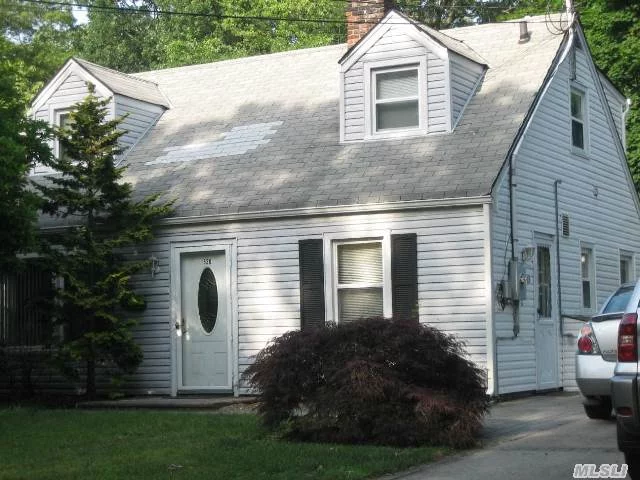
x: 465, y: 76
x: 395, y: 45
x: 137, y: 116
x: 608, y: 222
x: 616, y: 102
x: 450, y: 270
x: 438, y: 109
x: 71, y: 91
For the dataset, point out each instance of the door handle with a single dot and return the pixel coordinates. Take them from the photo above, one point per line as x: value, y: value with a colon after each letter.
x: 180, y: 325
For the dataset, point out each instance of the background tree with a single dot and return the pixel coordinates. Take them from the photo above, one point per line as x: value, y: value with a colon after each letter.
x: 90, y: 194
x: 36, y: 40
x: 22, y: 141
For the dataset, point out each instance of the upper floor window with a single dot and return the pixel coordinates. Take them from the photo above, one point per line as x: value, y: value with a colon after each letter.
x: 626, y: 268
x: 396, y: 99
x: 578, y: 120
x: 588, y: 278
x: 62, y: 120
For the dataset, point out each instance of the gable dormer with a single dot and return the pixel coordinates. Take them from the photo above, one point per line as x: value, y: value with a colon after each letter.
x: 404, y: 79
x: 139, y: 102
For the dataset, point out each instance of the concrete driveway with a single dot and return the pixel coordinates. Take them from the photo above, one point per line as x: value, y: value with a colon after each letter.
x: 540, y: 437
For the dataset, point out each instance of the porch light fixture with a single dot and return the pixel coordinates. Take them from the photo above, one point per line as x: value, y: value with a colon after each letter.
x: 155, y: 266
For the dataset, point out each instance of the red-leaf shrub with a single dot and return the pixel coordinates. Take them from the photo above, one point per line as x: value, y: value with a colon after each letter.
x: 378, y: 381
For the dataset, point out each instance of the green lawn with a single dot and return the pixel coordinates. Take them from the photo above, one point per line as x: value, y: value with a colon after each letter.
x: 65, y: 444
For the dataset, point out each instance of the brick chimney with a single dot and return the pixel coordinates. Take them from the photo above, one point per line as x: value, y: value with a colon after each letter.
x: 362, y: 16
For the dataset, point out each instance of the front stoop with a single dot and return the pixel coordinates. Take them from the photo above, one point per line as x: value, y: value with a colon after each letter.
x: 173, y: 403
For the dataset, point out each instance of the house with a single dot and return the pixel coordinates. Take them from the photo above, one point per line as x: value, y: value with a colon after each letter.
x: 476, y: 176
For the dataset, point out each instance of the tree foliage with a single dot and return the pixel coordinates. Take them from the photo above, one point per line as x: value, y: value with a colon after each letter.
x: 36, y: 40
x: 22, y: 141
x: 612, y: 28
x: 89, y: 193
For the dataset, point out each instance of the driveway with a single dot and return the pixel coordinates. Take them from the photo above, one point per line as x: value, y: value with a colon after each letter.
x: 539, y: 437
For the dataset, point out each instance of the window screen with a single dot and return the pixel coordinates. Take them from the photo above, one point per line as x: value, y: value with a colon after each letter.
x: 360, y: 280
x: 396, y: 100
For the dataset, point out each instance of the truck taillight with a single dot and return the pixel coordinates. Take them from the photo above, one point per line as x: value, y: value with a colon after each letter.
x: 628, y: 338
x: 587, y: 344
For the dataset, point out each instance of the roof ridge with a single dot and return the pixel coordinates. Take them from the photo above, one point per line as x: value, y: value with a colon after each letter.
x: 248, y: 59
x: 117, y: 72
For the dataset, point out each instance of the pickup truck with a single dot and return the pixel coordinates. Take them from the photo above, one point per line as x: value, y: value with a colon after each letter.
x: 625, y: 385
x: 597, y: 353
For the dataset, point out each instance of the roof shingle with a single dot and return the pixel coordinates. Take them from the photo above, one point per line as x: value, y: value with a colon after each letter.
x: 298, y: 160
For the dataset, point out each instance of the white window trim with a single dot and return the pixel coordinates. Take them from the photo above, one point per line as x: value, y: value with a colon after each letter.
x: 632, y: 261
x: 56, y: 115
x: 370, y: 69
x: 583, y: 92
x: 330, y: 249
x: 55, y: 111
x: 592, y: 278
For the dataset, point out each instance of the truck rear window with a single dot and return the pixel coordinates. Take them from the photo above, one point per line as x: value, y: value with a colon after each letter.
x: 618, y: 303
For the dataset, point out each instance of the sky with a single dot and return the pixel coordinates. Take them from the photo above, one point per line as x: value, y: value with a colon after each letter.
x: 80, y: 15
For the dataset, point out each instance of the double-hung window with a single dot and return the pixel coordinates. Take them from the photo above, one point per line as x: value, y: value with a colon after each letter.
x: 578, y: 120
x: 587, y: 273
x: 62, y: 121
x: 396, y: 98
x: 359, y: 280
x: 626, y: 268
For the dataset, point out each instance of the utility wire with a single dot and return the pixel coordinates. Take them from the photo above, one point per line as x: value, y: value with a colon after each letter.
x: 220, y: 16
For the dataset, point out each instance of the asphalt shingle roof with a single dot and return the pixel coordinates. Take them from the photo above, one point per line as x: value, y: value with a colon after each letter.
x: 123, y: 84
x: 262, y: 133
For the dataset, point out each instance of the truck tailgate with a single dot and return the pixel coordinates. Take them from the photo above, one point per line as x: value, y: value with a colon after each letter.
x: 605, y: 329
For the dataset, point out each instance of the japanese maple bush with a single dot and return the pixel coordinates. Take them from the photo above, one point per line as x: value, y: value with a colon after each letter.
x: 377, y: 381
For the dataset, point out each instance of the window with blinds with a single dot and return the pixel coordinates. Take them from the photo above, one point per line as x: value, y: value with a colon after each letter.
x: 360, y: 282
x: 396, y: 99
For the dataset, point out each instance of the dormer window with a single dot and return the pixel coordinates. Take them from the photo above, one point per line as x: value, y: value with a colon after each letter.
x: 396, y: 99
x: 62, y: 121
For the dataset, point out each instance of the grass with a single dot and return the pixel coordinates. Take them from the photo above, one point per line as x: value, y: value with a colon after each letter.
x: 96, y: 445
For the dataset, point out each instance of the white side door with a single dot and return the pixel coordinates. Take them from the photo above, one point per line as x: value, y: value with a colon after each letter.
x: 546, y: 315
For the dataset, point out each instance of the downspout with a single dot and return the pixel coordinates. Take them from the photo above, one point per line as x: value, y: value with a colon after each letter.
x: 514, y: 303
x: 625, y: 112
x: 558, y: 283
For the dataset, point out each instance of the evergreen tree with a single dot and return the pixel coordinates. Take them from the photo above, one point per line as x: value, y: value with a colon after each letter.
x: 89, y: 192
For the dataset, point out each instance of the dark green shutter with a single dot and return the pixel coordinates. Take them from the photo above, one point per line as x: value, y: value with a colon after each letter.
x: 404, y: 275
x: 311, y: 283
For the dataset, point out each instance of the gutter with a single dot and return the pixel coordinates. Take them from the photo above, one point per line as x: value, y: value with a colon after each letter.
x: 325, y: 211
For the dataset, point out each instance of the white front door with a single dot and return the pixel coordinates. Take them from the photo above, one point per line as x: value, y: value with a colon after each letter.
x: 546, y: 323
x: 204, y: 323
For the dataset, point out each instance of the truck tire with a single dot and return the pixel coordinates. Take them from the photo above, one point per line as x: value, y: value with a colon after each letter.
x: 632, y: 459
x: 599, y: 412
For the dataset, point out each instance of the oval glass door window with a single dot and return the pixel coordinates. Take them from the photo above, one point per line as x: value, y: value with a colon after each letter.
x: 208, y: 300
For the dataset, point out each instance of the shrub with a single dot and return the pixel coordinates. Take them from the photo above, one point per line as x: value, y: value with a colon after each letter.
x: 378, y: 381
